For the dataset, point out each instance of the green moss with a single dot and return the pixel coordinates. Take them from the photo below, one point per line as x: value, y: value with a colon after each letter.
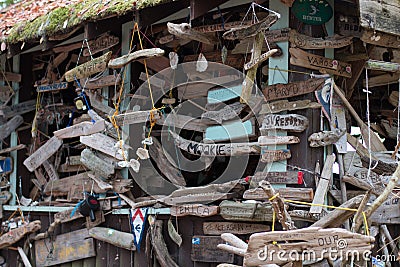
x: 76, y: 14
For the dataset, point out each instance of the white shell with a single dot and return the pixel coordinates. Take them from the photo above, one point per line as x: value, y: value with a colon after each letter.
x: 201, y: 64
x: 142, y: 153
x: 134, y: 164
x: 173, y: 60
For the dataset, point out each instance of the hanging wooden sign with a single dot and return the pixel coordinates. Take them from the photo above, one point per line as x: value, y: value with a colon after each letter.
x: 133, y: 117
x: 50, y: 170
x: 204, y: 249
x: 250, y: 30
x: 380, y: 16
x: 89, y: 68
x: 254, y: 63
x: 314, y: 12
x: 103, y: 81
x: 349, y: 26
x: 185, y: 31
x: 43, y: 153
x: 67, y: 216
x: 212, y: 150
x: 14, y: 235
x: 54, y: 87
x: 17, y: 109
x: 288, y: 177
x: 250, y: 212
x: 96, y: 164
x: 382, y: 65
x: 222, y: 27
x: 307, y: 42
x: 299, y: 194
x: 275, y: 155
x: 218, y: 228
x: 277, y: 140
x: 380, y: 38
x: 139, y: 54
x: 285, y: 105
x: 388, y: 212
x: 11, y: 77
x: 103, y: 42
x: 10, y: 126
x: 325, y: 138
x: 113, y: 237
x: 314, y: 239
x: 286, y: 122
x: 83, y: 128
x: 198, y: 210
x: 226, y: 113
x: 67, y: 247
x: 280, y: 91
x: 315, y: 62
x: 103, y: 143
x: 280, y: 35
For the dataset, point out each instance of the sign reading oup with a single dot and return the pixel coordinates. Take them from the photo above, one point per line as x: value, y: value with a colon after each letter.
x: 314, y: 12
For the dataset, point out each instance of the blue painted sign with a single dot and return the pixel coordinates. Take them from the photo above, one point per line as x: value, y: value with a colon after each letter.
x: 52, y: 87
x: 6, y: 165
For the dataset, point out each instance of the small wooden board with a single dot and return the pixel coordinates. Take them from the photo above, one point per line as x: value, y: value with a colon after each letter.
x: 274, y: 155
x: 83, y: 128
x: 14, y: 235
x: 11, y: 77
x: 114, y: 237
x: 380, y: 38
x: 17, y: 109
x: 286, y: 122
x: 277, y: 140
x: 133, y: 117
x: 139, y: 54
x: 247, y: 212
x: 101, y: 43
x: 315, y: 62
x: 103, y: 143
x: 198, y: 210
x: 54, y: 87
x: 10, y: 126
x: 288, y: 177
x: 307, y: 42
x: 96, y: 164
x: 280, y: 91
x: 218, y: 228
x: 299, y: 194
x: 204, y: 249
x: 250, y: 30
x: 43, y: 153
x: 86, y: 69
x: 226, y: 113
x: 66, y: 248
x: 382, y: 65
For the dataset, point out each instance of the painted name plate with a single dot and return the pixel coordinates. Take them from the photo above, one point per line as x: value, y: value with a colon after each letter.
x: 289, y: 122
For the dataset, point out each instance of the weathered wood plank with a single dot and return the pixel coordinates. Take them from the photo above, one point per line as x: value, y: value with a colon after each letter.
x: 67, y: 247
x: 96, y: 164
x: 315, y: 62
x: 226, y: 113
x: 256, y: 61
x: 133, y: 117
x: 50, y: 170
x: 217, y: 228
x: 212, y: 150
x: 198, y: 210
x: 5, y: 93
x: 285, y: 105
x: 101, y: 43
x: 11, y: 77
x: 66, y: 216
x: 381, y: 16
x: 86, y: 69
x: 14, y: 235
x: 380, y: 38
x: 384, y: 79
x: 104, y: 144
x: 184, y: 122
x: 17, y: 109
x: 43, y: 153
x: 251, y: 212
x: 286, y: 122
x: 277, y: 140
x: 280, y: 91
x: 185, y: 31
x: 114, y: 237
x: 10, y: 126
x: 299, y: 194
x: 83, y: 128
x: 204, y: 249
x: 323, y: 184
x: 307, y: 42
x: 288, y: 177
x: 382, y: 65
x: 139, y: 54
x: 250, y: 30
x: 275, y: 155
x: 10, y: 149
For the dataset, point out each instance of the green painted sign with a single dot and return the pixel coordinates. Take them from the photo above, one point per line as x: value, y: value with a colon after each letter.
x: 313, y: 12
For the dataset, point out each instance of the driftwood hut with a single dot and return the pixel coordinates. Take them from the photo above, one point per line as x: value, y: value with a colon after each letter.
x: 199, y: 133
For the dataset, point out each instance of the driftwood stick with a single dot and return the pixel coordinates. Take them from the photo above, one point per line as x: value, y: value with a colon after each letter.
x: 385, y: 231
x: 343, y: 186
x: 358, y: 217
x: 232, y: 249
x: 234, y: 240
x: 159, y: 246
x: 382, y: 240
x: 49, y: 231
x: 278, y: 205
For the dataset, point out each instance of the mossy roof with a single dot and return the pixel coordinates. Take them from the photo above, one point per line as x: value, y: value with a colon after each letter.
x: 30, y: 20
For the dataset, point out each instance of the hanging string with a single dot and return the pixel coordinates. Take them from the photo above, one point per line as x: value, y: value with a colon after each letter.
x: 369, y: 129
x: 398, y: 115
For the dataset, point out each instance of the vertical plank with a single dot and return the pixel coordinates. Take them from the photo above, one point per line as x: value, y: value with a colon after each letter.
x: 89, y: 262
x: 77, y: 263
x: 14, y: 137
x: 126, y: 256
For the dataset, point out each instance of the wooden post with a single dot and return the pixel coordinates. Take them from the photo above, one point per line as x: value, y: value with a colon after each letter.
x: 14, y: 137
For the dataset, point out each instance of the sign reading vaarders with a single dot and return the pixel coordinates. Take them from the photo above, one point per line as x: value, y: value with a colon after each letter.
x: 314, y: 12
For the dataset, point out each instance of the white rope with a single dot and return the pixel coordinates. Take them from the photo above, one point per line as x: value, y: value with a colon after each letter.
x: 272, y: 11
x: 369, y: 129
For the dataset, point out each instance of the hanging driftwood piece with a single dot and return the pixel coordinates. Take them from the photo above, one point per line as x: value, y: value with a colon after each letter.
x: 89, y: 68
x: 288, y: 177
x: 303, y: 215
x: 114, y: 237
x: 54, y: 87
x: 83, y: 128
x: 279, y: 91
x: 325, y: 138
x: 103, y: 81
x: 275, y: 155
x: 250, y: 212
x: 204, y: 249
x: 285, y: 105
x: 104, y: 144
x: 10, y: 149
x: 159, y: 246
x: 277, y: 140
x: 217, y: 228
x: 307, y: 42
x: 313, y: 239
x: 10, y: 126
x: 255, y: 62
x: 197, y: 210
x: 173, y: 234
x: 227, y: 113
x: 287, y: 122
x: 96, y: 164
x: 299, y: 194
x: 220, y: 28
x: 385, y: 16
x: 323, y: 184
x: 103, y: 42
x: 380, y: 38
x: 14, y: 235
x: 250, y: 30
x: 17, y: 109
x: 363, y: 184
x: 212, y: 150
x: 382, y: 65
x: 185, y: 31
x: 103, y: 185
x: 66, y: 216
x: 11, y: 77
x: 133, y: 117
x: 43, y: 153
x: 67, y: 247
x: 139, y: 54
x: 315, y: 62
